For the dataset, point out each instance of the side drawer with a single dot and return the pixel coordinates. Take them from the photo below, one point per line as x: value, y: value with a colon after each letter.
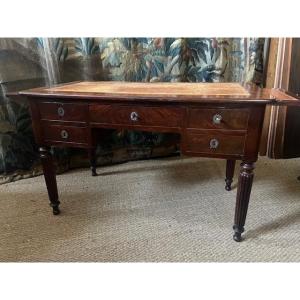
x: 215, y: 143
x: 65, y: 134
x: 137, y: 115
x: 60, y: 111
x: 218, y: 118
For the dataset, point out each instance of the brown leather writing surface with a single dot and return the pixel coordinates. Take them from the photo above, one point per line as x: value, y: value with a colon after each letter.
x: 154, y: 89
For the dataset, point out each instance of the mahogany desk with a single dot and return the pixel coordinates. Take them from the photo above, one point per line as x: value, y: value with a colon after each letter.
x: 221, y: 120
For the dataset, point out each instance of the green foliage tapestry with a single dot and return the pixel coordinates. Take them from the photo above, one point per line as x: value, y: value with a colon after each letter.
x: 33, y: 62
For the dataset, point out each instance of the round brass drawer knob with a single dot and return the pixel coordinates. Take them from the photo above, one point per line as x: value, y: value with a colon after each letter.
x: 217, y: 119
x: 64, y: 134
x: 134, y: 116
x: 213, y: 144
x: 61, y: 111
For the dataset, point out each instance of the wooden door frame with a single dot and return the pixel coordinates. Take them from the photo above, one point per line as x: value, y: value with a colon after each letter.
x: 277, y: 114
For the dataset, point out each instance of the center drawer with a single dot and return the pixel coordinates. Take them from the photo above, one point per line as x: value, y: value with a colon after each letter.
x: 136, y: 115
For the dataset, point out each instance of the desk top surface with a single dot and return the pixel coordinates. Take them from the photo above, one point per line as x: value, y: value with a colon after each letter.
x: 163, y: 91
x: 154, y: 89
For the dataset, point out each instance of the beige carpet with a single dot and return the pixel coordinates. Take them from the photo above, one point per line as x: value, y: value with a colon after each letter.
x: 153, y: 211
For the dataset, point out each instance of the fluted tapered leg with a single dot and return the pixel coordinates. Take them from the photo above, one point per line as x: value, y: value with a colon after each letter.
x: 50, y: 178
x: 242, y: 199
x: 230, y: 165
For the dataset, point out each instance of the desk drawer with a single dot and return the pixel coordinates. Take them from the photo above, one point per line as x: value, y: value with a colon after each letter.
x: 137, y: 115
x: 65, y: 134
x: 215, y: 143
x: 63, y: 111
x: 222, y: 118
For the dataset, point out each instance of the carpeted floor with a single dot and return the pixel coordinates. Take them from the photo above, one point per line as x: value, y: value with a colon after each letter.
x: 160, y: 210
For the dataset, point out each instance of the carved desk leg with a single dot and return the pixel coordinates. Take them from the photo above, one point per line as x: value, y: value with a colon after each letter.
x: 92, y: 157
x: 50, y: 178
x: 242, y: 199
x: 230, y: 165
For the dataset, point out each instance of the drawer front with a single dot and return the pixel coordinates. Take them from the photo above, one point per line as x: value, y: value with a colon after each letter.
x: 215, y: 143
x: 214, y: 118
x: 65, y: 134
x: 137, y: 115
x: 63, y: 111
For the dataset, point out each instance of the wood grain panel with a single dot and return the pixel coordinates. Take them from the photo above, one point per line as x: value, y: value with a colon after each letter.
x: 227, y: 145
x: 147, y: 116
x: 235, y: 118
x: 63, y: 111
x: 53, y: 133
